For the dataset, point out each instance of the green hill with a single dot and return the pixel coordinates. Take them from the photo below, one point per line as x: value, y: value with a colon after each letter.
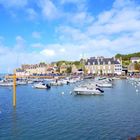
x: 126, y: 57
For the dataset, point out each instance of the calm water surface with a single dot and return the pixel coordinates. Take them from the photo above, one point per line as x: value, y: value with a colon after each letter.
x: 49, y: 115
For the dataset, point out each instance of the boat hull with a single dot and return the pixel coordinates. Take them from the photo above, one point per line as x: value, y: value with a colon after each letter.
x: 87, y: 92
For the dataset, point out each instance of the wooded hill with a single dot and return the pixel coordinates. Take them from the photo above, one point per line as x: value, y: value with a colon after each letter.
x: 126, y: 57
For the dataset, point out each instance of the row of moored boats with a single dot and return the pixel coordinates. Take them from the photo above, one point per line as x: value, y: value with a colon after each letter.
x: 94, y: 87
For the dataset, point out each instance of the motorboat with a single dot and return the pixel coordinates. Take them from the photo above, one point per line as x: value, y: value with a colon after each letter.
x: 21, y: 83
x: 5, y: 84
x: 64, y: 81
x: 30, y: 82
x: 85, y: 90
x: 56, y: 83
x: 41, y: 86
x: 104, y: 84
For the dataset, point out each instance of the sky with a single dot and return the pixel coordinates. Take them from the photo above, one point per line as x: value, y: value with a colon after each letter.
x: 33, y: 31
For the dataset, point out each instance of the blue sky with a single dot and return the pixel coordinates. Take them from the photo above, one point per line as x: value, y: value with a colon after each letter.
x: 49, y: 30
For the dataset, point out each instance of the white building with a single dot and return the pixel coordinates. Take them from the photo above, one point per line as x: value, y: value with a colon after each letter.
x: 135, y: 59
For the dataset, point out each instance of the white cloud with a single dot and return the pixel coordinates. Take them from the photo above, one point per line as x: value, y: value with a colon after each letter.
x: 19, y: 39
x: 20, y: 44
x: 114, y: 31
x: 62, y: 50
x: 36, y: 35
x: 115, y: 21
x: 68, y: 33
x: 123, y: 3
x: 49, y: 10
x: 48, y: 52
x: 32, y: 14
x: 79, y: 19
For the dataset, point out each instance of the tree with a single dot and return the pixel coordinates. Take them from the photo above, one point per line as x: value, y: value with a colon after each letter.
x: 101, y: 72
x: 69, y: 69
x: 137, y: 66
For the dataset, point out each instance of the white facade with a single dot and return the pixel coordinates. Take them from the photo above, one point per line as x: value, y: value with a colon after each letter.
x: 118, y: 69
x: 135, y: 59
x: 22, y: 73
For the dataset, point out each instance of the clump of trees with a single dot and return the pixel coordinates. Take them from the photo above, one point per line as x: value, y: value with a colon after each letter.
x: 126, y: 57
x: 137, y: 66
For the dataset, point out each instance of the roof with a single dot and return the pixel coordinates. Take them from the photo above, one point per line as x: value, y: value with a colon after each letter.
x: 101, y: 61
x: 19, y: 70
x: 135, y: 58
x: 50, y: 69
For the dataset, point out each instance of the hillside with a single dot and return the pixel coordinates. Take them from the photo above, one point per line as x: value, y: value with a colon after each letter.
x: 126, y: 57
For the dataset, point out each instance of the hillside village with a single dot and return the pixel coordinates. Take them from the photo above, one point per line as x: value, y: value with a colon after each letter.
x: 118, y: 65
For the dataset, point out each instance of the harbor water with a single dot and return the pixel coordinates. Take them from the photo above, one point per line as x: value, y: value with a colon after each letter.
x: 56, y: 114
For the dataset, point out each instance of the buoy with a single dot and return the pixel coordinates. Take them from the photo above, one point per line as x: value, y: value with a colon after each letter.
x: 62, y: 93
x: 137, y: 90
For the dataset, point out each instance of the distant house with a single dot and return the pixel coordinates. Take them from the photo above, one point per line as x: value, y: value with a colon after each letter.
x: 21, y: 72
x: 135, y: 59
x: 101, y: 65
x: 74, y: 69
x: 40, y: 68
x: 50, y: 70
x: 63, y: 68
x: 134, y: 68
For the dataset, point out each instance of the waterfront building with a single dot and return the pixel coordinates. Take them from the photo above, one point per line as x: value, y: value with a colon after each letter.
x: 101, y: 65
x: 74, y: 69
x: 135, y: 59
x: 21, y: 72
x: 134, y: 68
x: 32, y: 69
x: 63, y: 68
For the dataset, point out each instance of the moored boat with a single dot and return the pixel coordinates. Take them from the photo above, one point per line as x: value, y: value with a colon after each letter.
x: 6, y: 84
x: 105, y: 85
x: 85, y: 90
x: 41, y: 86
